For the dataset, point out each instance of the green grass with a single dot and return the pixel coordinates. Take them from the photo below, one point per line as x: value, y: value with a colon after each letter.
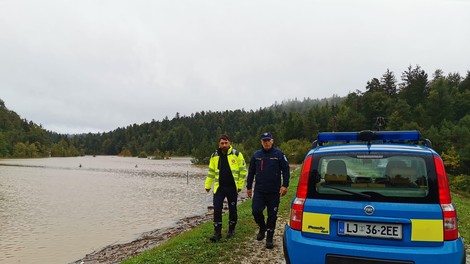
x: 193, y: 246
x: 462, y: 202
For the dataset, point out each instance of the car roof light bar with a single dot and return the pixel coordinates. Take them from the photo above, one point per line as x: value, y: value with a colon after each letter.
x: 368, y: 136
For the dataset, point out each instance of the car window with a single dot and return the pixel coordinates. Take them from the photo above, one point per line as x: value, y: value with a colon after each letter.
x: 384, y: 177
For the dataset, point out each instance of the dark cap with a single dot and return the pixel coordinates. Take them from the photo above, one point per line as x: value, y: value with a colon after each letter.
x: 266, y: 136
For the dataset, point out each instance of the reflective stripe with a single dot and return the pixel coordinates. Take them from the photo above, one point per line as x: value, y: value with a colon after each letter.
x: 316, y: 223
x: 427, y: 230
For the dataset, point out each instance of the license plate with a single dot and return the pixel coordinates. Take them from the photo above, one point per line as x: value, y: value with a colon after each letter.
x: 365, y: 229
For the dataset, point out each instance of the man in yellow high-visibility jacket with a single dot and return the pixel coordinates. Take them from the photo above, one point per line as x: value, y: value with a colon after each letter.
x: 227, y: 168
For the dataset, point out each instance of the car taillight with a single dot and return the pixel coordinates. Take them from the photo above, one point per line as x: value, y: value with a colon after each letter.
x: 451, y: 231
x: 296, y: 214
x: 298, y: 204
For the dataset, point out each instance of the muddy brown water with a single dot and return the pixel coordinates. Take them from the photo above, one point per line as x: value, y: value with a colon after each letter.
x: 56, y: 210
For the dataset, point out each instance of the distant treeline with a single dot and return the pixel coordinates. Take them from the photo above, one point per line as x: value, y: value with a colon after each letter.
x: 437, y: 105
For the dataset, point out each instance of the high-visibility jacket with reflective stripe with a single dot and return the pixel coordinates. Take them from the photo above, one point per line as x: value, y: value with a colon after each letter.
x: 237, y: 166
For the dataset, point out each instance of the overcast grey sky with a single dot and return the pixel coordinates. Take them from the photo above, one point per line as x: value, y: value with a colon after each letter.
x: 96, y: 65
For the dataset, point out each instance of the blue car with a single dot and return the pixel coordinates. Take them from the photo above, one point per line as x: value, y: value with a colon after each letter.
x: 373, y: 198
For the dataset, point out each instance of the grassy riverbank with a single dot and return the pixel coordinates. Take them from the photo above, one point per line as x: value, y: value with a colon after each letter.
x: 194, y: 247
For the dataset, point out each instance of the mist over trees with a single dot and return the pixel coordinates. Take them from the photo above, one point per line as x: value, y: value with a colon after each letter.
x: 437, y: 105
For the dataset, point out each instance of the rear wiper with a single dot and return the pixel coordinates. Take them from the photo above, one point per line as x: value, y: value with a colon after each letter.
x: 376, y: 194
x: 346, y: 191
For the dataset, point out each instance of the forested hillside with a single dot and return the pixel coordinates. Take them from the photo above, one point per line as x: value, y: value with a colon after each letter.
x: 437, y: 105
x: 20, y: 138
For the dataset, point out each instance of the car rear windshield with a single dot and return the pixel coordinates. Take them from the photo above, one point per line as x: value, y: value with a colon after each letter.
x: 389, y: 177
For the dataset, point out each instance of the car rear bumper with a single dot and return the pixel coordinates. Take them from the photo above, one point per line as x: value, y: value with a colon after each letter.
x: 298, y: 249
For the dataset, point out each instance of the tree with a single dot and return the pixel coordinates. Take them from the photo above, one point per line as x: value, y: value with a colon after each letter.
x: 20, y: 150
x: 374, y: 86
x: 293, y: 127
x: 142, y: 154
x: 414, y: 88
x: 3, y: 146
x: 348, y: 119
x: 375, y: 105
x: 389, y: 83
x: 202, y: 153
x: 454, y: 79
x: 295, y: 150
x: 125, y: 153
x: 451, y: 160
x: 465, y: 84
x: 438, y: 74
x: 439, y: 103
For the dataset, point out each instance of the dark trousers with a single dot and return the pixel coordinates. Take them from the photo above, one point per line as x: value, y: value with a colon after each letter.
x: 219, y: 197
x: 269, y: 201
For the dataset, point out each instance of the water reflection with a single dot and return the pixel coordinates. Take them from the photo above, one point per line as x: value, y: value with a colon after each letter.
x: 55, y: 211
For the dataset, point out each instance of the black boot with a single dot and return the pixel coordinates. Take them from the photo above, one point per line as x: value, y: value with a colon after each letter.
x: 231, y: 229
x: 269, y: 239
x: 261, y: 232
x: 217, y: 232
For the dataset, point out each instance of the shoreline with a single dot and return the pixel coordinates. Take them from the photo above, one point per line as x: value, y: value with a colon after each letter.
x: 115, y: 253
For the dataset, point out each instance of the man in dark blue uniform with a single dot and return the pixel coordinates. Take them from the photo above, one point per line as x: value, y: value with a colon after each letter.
x: 268, y: 168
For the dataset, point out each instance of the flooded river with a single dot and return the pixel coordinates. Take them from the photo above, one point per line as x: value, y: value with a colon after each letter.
x: 56, y: 210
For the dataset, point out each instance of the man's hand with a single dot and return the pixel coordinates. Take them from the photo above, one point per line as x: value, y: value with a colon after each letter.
x: 283, y: 191
x: 249, y: 193
x: 207, y: 190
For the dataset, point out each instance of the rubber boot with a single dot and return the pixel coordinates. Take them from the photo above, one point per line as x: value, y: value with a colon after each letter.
x: 217, y: 233
x: 269, y: 239
x: 231, y: 229
x: 261, y: 232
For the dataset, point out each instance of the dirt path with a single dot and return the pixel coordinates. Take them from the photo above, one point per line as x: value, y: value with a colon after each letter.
x: 258, y: 253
